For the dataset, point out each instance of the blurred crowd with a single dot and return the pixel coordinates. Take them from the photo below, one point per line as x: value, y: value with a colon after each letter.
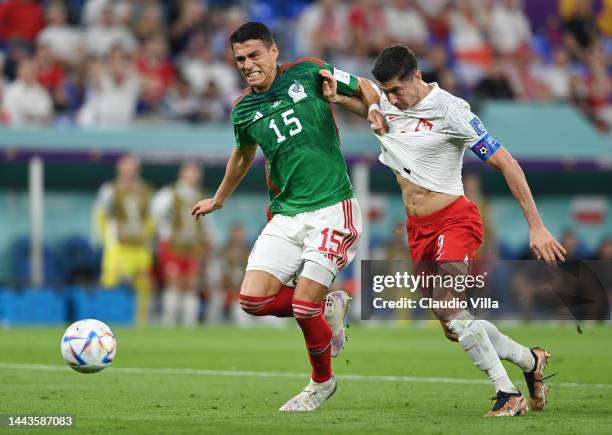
x: 103, y: 63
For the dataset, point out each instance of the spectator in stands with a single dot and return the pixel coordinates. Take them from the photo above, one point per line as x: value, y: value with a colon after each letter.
x: 182, y: 241
x: 405, y: 25
x: 467, y: 37
x: 604, y: 20
x: 200, y: 68
x: 64, y: 41
x: 180, y: 103
x: 495, y: 85
x: 366, y: 22
x: 557, y: 76
x: 51, y: 75
x: 155, y: 69
x: 527, y: 84
x: 580, y: 29
x: 113, y: 91
x: 27, y: 103
x: 509, y: 28
x: 148, y: 20
x: 435, y: 69
x: 20, y: 21
x: 191, y: 19
x: 125, y: 227
x: 322, y: 29
x: 106, y: 34
x: 599, y: 88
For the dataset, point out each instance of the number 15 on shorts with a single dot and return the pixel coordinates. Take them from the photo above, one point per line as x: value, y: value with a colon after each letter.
x: 331, y: 241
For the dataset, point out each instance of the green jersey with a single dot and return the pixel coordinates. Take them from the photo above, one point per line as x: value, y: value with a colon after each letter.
x: 295, y: 128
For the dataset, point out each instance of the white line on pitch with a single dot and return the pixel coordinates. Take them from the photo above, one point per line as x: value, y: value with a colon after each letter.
x: 256, y: 374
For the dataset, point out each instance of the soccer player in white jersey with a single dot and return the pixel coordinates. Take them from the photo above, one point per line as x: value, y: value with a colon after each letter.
x: 423, y: 132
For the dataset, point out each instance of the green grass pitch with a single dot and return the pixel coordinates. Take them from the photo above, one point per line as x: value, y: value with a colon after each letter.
x: 403, y: 379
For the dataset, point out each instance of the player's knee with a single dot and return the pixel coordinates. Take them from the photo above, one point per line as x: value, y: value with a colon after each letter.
x: 254, y: 306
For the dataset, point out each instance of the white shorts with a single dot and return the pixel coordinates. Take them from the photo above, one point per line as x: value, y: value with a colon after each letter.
x: 327, y: 237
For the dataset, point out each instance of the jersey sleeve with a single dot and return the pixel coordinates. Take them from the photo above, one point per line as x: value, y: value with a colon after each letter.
x: 347, y: 83
x: 243, y: 138
x: 469, y: 129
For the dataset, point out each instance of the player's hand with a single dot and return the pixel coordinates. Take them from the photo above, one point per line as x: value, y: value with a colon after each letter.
x: 205, y: 207
x: 377, y: 122
x: 329, y: 87
x: 545, y: 246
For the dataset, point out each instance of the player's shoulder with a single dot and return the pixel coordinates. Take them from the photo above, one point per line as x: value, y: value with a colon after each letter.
x: 450, y: 102
x: 238, y: 106
x: 303, y: 63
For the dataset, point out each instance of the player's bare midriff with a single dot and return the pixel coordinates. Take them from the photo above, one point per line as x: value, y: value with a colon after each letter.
x: 419, y: 201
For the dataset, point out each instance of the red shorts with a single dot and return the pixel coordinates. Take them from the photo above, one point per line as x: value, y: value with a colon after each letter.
x: 175, y: 265
x: 453, y: 233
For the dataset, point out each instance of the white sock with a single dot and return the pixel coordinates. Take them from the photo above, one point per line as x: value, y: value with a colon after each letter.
x: 474, y: 340
x: 508, y: 349
x: 170, y: 306
x: 191, y: 308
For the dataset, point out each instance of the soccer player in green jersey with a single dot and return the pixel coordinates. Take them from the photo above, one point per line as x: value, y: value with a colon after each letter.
x: 314, y: 220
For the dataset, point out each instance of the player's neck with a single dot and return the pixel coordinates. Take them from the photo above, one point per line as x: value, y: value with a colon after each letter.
x: 423, y: 90
x: 268, y: 83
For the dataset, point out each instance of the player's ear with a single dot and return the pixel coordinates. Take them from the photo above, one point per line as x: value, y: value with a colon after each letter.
x: 274, y: 50
x: 418, y: 76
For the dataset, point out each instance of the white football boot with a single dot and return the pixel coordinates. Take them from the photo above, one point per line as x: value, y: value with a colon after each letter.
x: 336, y: 304
x: 311, y: 397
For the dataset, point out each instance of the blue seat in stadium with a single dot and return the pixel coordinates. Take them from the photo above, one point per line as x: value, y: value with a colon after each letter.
x: 20, y: 254
x: 112, y: 306
x: 44, y: 306
x: 77, y: 261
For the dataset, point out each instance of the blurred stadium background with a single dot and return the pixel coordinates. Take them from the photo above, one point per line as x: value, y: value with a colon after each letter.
x: 84, y: 82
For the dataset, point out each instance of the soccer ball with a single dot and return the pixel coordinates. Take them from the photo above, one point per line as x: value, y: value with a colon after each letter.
x: 88, y: 346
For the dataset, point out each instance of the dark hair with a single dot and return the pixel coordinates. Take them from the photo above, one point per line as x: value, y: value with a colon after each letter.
x: 252, y: 30
x: 395, y: 61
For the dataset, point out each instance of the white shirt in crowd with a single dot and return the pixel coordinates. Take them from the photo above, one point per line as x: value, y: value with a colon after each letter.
x: 405, y: 25
x: 100, y: 40
x: 111, y: 104
x: 426, y: 143
x: 508, y: 29
x: 27, y: 105
x: 199, y: 74
x: 65, y: 42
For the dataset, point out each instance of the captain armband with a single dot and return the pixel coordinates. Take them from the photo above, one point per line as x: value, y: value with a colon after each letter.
x: 485, y: 147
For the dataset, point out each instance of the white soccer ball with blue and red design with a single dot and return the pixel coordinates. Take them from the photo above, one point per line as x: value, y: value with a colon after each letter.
x: 88, y: 346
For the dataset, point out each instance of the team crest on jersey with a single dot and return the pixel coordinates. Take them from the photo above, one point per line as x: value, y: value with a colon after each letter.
x: 423, y: 124
x: 297, y: 92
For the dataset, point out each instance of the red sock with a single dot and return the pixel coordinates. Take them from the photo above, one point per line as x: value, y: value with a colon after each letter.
x: 278, y: 305
x: 317, y: 335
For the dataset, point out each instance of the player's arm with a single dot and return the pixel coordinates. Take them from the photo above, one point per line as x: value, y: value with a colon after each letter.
x: 363, y: 102
x: 466, y: 127
x: 541, y: 241
x: 238, y: 165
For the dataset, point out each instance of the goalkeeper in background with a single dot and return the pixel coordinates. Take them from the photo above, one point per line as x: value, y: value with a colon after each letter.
x: 124, y: 225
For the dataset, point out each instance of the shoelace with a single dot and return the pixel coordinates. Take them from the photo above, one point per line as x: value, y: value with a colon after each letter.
x: 529, y: 377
